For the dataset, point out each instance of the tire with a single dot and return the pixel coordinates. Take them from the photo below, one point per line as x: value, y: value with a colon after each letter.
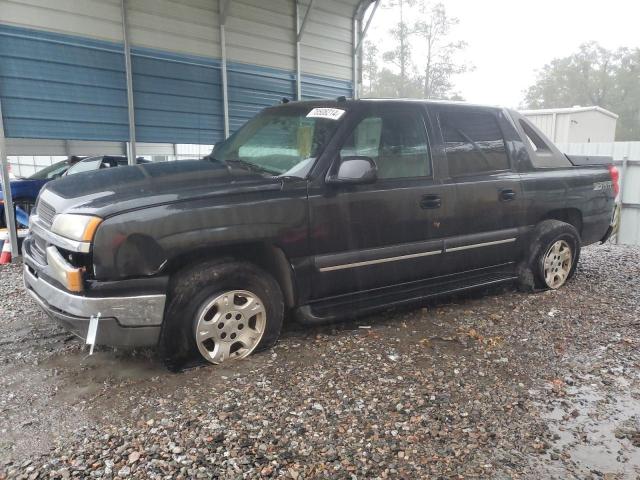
x: 197, y: 299
x: 534, y: 274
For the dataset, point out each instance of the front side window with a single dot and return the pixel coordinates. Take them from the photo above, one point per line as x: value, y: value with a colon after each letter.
x: 473, y: 142
x: 281, y: 141
x: 396, y: 141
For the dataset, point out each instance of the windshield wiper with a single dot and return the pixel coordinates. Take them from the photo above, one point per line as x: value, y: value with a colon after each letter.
x: 251, y: 166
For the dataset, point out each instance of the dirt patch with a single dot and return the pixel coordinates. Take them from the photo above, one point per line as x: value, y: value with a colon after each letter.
x: 493, y: 384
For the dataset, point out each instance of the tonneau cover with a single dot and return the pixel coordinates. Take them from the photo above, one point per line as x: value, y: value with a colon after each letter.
x: 581, y: 160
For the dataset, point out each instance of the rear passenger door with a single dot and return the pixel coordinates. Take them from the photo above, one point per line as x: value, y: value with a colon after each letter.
x: 488, y: 205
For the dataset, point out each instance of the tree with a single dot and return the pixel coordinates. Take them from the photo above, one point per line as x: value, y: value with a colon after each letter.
x: 369, y: 66
x: 400, y: 55
x: 593, y: 76
x: 423, y: 28
x: 434, y: 27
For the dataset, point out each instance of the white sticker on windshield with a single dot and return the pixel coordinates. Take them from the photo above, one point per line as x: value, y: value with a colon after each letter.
x: 328, y: 113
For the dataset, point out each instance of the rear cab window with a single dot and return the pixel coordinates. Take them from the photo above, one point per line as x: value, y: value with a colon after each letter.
x: 473, y: 141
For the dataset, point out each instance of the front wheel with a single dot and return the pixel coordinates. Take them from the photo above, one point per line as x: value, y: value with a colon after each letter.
x: 230, y: 325
x: 219, y: 311
x: 553, y: 256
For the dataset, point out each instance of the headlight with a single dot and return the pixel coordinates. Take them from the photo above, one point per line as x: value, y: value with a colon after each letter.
x: 76, y: 227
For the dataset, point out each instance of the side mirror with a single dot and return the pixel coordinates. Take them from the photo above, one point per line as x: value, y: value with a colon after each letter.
x: 353, y: 171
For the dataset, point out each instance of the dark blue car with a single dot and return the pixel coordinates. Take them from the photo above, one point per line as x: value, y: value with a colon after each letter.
x: 24, y: 191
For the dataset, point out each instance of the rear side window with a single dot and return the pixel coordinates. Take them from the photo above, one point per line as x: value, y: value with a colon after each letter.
x: 473, y: 142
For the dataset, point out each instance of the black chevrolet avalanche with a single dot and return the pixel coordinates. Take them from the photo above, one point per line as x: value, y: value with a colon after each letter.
x: 324, y: 209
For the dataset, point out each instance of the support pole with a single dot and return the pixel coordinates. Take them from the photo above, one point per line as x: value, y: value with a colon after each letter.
x: 298, y: 65
x: 223, y: 6
x: 358, y: 37
x: 354, y: 58
x: 366, y: 27
x: 131, y: 146
x: 225, y: 88
x: 300, y: 29
x: 10, y: 219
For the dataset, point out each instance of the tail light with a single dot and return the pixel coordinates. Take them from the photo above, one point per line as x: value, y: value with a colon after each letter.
x: 615, y: 179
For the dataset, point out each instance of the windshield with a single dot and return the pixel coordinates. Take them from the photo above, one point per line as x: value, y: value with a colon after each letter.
x: 281, y: 141
x: 51, y: 171
x: 85, y: 165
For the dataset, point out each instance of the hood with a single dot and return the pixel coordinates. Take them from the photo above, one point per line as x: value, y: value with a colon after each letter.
x: 109, y: 191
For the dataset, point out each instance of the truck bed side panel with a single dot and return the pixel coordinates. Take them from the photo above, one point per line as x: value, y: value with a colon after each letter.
x: 584, y: 190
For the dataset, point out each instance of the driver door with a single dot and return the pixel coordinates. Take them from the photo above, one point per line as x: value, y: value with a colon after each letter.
x: 373, y: 236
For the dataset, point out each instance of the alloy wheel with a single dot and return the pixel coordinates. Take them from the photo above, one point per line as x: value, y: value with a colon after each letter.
x: 230, y: 325
x: 557, y: 264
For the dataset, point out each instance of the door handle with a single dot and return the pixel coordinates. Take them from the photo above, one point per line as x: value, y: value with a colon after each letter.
x: 507, y: 195
x: 430, y: 201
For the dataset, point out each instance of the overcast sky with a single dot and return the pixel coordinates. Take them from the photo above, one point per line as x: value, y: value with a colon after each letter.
x: 509, y: 40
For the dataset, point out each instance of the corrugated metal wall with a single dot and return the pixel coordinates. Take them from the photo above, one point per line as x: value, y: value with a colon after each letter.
x: 629, y: 232
x: 57, y: 86
x: 326, y: 45
x: 62, y: 65
x: 97, y: 19
x: 177, y: 98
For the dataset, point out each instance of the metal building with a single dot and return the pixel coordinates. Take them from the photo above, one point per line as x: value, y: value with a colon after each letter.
x: 575, y: 124
x: 63, y: 64
x: 91, y: 76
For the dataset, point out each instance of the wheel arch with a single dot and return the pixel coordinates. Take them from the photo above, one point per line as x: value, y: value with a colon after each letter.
x: 265, y: 255
x: 572, y: 216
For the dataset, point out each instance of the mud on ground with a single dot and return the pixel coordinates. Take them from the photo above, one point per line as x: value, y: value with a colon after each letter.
x: 493, y: 384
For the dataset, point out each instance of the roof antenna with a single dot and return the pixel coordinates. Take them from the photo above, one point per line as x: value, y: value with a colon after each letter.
x: 342, y: 98
x: 285, y: 100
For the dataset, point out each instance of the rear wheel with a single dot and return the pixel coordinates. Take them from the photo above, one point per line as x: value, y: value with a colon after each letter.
x: 553, y: 256
x: 557, y: 264
x: 219, y: 311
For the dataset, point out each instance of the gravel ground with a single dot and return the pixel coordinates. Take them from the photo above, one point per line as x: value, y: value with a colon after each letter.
x: 494, y: 384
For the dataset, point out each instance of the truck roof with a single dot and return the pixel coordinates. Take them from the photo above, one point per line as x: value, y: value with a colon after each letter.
x: 351, y: 102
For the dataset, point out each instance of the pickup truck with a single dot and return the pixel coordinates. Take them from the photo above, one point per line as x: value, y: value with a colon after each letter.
x: 314, y: 210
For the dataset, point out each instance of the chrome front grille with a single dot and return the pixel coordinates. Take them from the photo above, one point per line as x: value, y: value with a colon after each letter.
x: 46, y: 213
x: 38, y: 250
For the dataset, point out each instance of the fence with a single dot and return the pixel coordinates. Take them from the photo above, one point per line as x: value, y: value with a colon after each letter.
x: 626, y: 156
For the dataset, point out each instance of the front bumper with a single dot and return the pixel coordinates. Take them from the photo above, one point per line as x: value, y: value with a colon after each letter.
x: 132, y: 321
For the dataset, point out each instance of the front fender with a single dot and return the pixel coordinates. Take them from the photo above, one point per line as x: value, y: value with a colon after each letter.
x: 140, y: 243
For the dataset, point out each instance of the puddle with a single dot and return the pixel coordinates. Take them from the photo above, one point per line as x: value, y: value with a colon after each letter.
x: 596, y: 430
